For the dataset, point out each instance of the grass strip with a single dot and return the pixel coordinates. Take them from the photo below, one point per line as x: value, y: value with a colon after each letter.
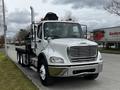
x: 11, y: 78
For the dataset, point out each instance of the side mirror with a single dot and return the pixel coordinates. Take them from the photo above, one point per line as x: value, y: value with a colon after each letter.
x: 84, y: 29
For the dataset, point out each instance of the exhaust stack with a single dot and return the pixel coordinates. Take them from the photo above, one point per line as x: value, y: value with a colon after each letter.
x: 32, y: 22
x: 32, y: 15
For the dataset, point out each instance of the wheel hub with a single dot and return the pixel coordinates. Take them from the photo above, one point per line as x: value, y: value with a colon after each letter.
x: 42, y: 72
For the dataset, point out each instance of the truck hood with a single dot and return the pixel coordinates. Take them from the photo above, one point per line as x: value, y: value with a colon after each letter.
x: 59, y: 47
x: 72, y: 42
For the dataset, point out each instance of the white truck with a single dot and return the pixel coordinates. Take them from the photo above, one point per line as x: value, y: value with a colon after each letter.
x: 58, y: 49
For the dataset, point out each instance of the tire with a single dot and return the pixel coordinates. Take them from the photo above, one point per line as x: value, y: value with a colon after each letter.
x: 18, y: 58
x: 91, y: 76
x: 46, y: 80
x: 25, y: 62
x: 21, y: 60
x: 28, y: 63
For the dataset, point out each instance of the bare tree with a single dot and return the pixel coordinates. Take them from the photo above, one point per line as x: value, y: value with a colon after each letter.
x: 22, y: 34
x: 113, y: 6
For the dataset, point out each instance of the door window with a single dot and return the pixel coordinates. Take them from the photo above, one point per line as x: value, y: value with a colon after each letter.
x: 39, y: 33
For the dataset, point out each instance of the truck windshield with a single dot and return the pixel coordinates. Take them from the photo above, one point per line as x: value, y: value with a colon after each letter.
x: 57, y: 30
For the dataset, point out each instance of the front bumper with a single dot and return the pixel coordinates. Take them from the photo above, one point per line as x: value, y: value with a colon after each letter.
x: 67, y: 71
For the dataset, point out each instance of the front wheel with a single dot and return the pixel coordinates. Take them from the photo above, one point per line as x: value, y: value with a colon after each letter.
x: 91, y: 76
x: 44, y: 75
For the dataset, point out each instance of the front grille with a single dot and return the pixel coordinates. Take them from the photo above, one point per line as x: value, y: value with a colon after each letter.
x: 83, y: 53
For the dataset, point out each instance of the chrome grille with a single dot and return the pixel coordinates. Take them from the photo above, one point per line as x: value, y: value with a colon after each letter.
x: 83, y: 53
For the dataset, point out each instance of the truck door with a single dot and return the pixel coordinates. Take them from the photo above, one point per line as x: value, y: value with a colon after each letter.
x: 39, y: 40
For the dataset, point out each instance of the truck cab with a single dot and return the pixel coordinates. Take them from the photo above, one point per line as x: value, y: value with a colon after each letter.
x: 63, y: 51
x: 59, y: 49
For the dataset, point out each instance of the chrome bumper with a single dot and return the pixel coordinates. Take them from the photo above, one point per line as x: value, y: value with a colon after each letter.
x: 67, y: 71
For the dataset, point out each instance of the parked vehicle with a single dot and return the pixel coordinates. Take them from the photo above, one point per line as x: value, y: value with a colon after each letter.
x: 109, y: 36
x: 59, y: 49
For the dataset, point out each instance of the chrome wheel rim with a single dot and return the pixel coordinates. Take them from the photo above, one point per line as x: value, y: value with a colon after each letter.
x: 21, y: 59
x: 42, y: 72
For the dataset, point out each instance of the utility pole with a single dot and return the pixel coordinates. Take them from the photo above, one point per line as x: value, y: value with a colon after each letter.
x: 4, y: 25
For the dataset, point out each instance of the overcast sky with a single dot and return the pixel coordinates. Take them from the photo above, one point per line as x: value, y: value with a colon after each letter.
x: 89, y: 12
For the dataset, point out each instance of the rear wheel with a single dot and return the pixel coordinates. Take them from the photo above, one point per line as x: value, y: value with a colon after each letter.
x: 22, y: 60
x: 25, y: 60
x: 44, y: 75
x: 18, y: 58
x: 91, y: 76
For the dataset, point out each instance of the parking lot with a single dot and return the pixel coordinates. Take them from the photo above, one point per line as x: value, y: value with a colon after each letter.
x: 109, y: 79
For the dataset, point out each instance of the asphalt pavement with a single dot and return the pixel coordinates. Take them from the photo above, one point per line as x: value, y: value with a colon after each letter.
x: 109, y: 79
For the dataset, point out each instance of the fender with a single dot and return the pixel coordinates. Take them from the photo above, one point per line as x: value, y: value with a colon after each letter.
x: 40, y: 57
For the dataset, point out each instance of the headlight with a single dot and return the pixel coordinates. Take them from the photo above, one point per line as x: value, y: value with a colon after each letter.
x: 56, y: 60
